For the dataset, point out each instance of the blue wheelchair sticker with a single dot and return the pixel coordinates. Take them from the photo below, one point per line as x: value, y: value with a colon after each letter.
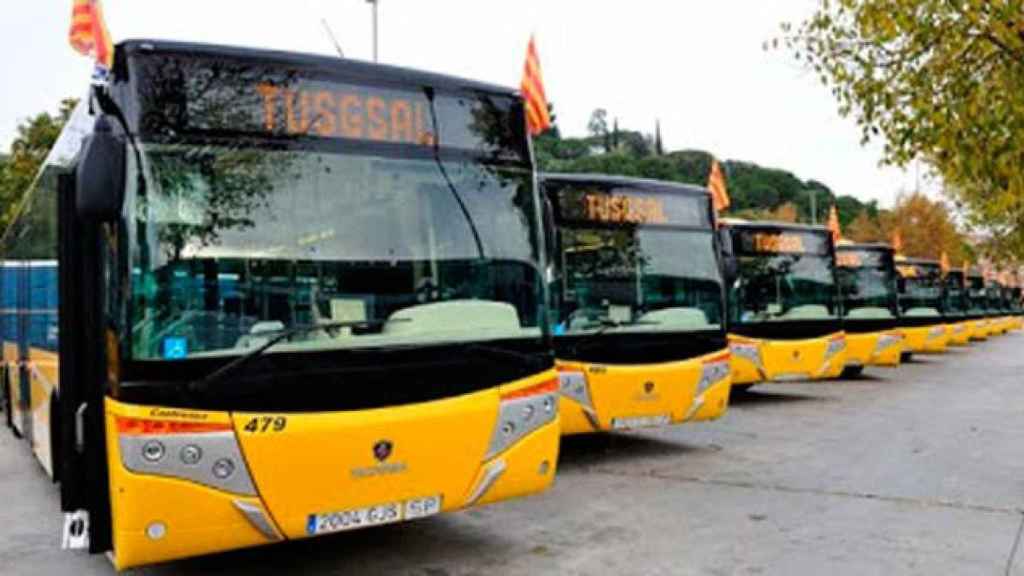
x: 175, y: 347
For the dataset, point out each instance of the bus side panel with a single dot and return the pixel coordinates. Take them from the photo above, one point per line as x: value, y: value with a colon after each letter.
x: 42, y: 370
x: 41, y: 362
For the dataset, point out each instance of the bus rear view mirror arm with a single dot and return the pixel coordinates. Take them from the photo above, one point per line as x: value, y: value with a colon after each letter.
x: 100, y: 176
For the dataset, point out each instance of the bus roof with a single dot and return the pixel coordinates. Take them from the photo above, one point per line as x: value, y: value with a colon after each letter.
x: 922, y: 262
x: 864, y: 246
x: 355, y: 68
x: 773, y: 225
x: 626, y: 181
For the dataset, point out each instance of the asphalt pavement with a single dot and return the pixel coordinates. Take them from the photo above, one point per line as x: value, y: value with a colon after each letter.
x: 918, y: 470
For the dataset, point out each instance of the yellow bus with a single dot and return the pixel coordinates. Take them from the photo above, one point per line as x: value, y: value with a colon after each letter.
x: 998, y: 307
x: 298, y: 295
x: 956, y: 309
x: 639, y: 303
x: 921, y: 298
x: 977, y: 294
x: 1015, y: 302
x: 784, y: 304
x: 867, y: 282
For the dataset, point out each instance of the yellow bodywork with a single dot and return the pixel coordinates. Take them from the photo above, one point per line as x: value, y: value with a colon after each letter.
x: 874, y: 349
x: 756, y: 360
x: 323, y: 463
x: 979, y: 330
x: 932, y: 339
x: 664, y: 393
x: 41, y: 371
x: 960, y: 333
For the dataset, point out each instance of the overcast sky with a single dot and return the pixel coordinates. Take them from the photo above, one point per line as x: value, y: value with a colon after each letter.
x: 698, y: 66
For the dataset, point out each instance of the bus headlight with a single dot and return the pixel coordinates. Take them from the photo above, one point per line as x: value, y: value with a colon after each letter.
x: 573, y: 385
x: 144, y: 444
x: 836, y: 344
x: 520, y: 413
x: 713, y: 371
x: 748, y: 350
x: 888, y: 340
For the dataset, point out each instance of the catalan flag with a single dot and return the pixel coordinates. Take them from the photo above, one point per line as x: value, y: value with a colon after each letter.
x: 944, y: 263
x: 833, y: 224
x: 537, y: 117
x: 89, y: 34
x: 897, y: 241
x: 716, y: 184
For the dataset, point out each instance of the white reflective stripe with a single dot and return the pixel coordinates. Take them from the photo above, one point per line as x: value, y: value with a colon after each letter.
x: 494, y: 471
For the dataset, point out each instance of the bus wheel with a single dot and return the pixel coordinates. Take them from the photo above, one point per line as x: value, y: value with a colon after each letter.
x: 852, y: 372
x: 742, y: 388
x: 906, y: 357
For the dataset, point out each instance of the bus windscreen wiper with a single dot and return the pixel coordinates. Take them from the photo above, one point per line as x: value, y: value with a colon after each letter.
x: 504, y: 353
x: 607, y: 324
x: 278, y: 337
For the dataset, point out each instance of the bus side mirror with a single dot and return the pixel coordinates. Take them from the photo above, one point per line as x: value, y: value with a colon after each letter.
x: 100, y: 176
x: 729, y: 266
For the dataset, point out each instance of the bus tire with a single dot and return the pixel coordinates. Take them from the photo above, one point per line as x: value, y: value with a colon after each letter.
x: 742, y: 388
x: 852, y: 372
x: 906, y: 357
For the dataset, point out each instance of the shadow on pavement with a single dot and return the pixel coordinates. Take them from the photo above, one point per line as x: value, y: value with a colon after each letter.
x: 611, y: 448
x: 761, y: 396
x: 372, y: 550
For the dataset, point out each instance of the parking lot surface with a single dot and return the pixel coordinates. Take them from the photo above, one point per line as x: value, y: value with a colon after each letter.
x: 918, y: 470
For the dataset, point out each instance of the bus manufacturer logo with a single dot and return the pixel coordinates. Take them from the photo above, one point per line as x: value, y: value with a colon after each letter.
x: 796, y: 354
x: 382, y: 450
x: 648, y: 387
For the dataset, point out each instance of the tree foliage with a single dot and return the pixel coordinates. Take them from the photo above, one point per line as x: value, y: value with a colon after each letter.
x: 35, y: 137
x: 935, y: 80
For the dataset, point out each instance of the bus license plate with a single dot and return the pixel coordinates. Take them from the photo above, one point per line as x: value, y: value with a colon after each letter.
x: 640, y: 422
x: 377, y: 515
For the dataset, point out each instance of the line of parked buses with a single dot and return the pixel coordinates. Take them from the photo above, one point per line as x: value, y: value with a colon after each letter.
x: 257, y: 296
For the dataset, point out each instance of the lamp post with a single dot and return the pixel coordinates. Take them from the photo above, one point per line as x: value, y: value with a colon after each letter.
x: 814, y: 206
x: 376, y: 7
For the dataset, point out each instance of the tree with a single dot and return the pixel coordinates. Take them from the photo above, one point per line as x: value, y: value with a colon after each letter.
x: 925, y: 226
x: 598, y: 127
x: 863, y: 228
x: 785, y: 213
x: 35, y: 137
x: 938, y: 81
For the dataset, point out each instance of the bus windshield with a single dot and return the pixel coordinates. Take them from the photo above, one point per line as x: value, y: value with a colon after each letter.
x: 653, y: 270
x: 954, y: 294
x: 783, y: 275
x: 977, y: 295
x: 867, y: 280
x: 920, y: 289
x: 408, y: 214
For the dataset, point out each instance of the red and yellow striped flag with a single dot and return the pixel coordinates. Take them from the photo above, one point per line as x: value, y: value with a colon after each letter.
x: 716, y: 184
x: 537, y: 117
x: 833, y: 224
x: 897, y: 241
x: 89, y: 34
x: 944, y: 263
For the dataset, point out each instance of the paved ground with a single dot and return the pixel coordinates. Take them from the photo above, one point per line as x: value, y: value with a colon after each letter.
x: 916, y: 471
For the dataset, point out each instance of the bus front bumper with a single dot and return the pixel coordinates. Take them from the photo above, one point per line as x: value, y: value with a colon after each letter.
x: 756, y: 360
x: 874, y: 349
x: 932, y: 339
x: 602, y: 397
